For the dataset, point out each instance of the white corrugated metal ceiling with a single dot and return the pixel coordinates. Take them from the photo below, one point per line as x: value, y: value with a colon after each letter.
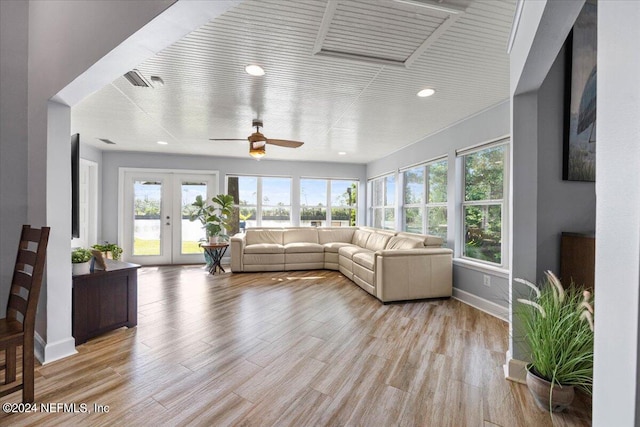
x: 366, y: 108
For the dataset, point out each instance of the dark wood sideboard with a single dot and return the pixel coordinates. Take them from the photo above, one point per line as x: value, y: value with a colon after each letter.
x: 578, y: 259
x: 105, y: 300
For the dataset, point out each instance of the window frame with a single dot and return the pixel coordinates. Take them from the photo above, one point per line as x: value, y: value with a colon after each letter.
x: 382, y: 179
x: 328, y: 207
x: 259, y: 196
x: 426, y: 203
x: 503, y: 202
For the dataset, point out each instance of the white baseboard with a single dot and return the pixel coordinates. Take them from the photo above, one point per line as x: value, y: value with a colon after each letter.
x: 515, y: 370
x: 482, y: 304
x: 50, y: 352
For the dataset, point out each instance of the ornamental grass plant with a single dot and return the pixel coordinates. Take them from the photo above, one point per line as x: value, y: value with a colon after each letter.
x: 558, y: 325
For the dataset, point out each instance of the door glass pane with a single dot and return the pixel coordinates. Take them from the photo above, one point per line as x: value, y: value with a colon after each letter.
x: 191, y: 231
x: 147, y: 197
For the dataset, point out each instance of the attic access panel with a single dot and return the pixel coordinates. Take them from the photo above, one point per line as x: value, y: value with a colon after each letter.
x: 389, y: 32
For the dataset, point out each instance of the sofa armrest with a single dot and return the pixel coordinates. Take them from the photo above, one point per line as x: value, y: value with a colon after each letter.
x: 238, y: 242
x: 414, y: 274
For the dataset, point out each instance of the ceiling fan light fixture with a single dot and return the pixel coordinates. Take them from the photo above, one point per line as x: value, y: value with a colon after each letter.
x: 426, y: 92
x: 254, y: 70
x: 257, y: 152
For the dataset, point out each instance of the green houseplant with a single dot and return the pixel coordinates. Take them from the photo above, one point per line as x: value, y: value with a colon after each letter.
x: 215, y: 216
x: 109, y: 248
x: 558, y: 326
x: 80, y: 258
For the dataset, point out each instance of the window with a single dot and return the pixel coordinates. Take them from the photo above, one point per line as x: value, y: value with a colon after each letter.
x: 262, y: 201
x: 483, y: 205
x: 425, y: 199
x: 383, y: 212
x: 328, y: 202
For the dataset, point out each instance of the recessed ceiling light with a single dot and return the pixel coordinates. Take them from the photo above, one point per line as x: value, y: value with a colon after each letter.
x: 426, y: 92
x: 342, y: 153
x: 163, y: 143
x: 254, y: 70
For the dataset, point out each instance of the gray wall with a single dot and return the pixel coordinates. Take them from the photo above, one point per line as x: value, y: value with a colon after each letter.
x: 562, y: 205
x: 483, y: 127
x: 13, y: 136
x: 112, y: 161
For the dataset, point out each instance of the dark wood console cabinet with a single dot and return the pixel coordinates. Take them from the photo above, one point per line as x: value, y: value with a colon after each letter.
x: 105, y: 300
x: 578, y: 259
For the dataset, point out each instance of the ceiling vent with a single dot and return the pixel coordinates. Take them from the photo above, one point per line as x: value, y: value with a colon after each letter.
x: 136, y: 78
x: 107, y: 141
x: 369, y: 31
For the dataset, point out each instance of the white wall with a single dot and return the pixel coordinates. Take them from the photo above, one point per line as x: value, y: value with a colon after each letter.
x: 540, y: 36
x: 112, y: 161
x: 13, y: 136
x: 617, y: 355
x: 83, y: 32
x: 482, y: 127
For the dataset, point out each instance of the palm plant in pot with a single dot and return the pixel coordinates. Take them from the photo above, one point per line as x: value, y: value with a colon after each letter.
x: 215, y: 217
x: 558, y: 326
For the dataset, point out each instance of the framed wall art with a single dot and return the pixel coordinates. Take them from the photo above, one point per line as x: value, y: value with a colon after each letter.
x: 579, y: 162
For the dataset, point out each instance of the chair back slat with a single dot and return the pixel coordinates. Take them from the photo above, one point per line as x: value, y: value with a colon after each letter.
x: 26, y: 257
x: 22, y: 280
x: 17, y: 304
x: 27, y: 276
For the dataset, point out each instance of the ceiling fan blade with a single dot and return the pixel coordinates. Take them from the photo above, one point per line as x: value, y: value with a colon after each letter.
x: 284, y: 143
x: 227, y: 139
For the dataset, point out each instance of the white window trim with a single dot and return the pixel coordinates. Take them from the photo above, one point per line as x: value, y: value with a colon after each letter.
x: 260, y: 205
x: 328, y: 205
x: 425, y: 205
x: 372, y: 207
x: 504, y: 202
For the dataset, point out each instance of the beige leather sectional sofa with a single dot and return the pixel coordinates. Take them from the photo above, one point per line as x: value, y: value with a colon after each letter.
x: 392, y: 266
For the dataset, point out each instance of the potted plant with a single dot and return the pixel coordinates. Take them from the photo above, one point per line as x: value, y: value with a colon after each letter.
x: 110, y: 250
x: 80, y: 261
x: 215, y: 217
x: 558, y: 326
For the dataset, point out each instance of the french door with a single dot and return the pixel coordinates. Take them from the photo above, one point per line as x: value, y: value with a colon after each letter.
x: 155, y: 226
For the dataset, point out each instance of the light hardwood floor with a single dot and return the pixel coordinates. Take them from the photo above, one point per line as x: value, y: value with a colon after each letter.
x: 289, y: 349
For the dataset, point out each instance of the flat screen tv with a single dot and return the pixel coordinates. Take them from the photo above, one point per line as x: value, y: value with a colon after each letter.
x: 75, y: 185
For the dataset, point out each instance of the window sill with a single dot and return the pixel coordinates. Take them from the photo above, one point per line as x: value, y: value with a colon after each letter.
x: 481, y: 267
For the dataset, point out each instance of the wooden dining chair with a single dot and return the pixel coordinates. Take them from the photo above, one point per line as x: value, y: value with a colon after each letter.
x: 18, y: 328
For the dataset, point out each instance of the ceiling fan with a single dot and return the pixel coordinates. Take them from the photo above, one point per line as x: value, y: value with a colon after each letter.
x: 257, y: 141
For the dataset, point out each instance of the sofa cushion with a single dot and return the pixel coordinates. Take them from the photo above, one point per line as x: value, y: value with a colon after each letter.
x: 378, y: 241
x: 404, y: 243
x: 264, y: 248
x: 264, y: 236
x: 333, y: 247
x: 349, y: 251
x: 360, y: 238
x: 335, y: 235
x: 365, y: 259
x: 427, y: 239
x: 303, y: 247
x: 298, y: 235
